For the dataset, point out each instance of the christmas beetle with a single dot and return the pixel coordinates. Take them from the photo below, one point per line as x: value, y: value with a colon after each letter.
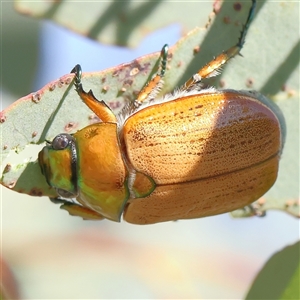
x: 193, y: 153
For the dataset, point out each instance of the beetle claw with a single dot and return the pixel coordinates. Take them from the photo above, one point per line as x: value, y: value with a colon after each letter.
x: 77, y: 78
x: 58, y: 200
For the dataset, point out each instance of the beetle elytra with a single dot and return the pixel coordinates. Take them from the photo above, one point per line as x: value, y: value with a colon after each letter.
x: 193, y: 153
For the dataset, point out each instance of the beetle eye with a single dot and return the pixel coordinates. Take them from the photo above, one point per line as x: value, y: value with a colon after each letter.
x: 65, y: 194
x: 61, y: 141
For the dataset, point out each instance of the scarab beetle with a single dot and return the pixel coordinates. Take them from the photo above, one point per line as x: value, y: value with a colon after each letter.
x: 195, y: 152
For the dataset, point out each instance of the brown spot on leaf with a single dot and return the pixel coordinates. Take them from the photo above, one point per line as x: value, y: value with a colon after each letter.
x: 196, y: 49
x: 179, y: 64
x: 105, y: 88
x: 115, y: 104
x: 70, y: 126
x: 249, y: 82
x: 68, y: 80
x: 52, y: 87
x: 2, y: 117
x: 134, y: 71
x: 36, y: 97
x: 116, y: 73
x: 35, y: 192
x: 7, y: 168
x: 226, y: 20
x: 128, y: 82
x: 237, y: 6
x: 60, y: 83
x: 11, y: 184
x: 93, y: 118
x: 217, y: 6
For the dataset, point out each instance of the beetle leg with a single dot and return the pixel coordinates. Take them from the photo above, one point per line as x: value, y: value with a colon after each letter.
x: 152, y: 88
x: 77, y: 209
x: 99, y: 107
x: 213, y: 68
x: 255, y: 210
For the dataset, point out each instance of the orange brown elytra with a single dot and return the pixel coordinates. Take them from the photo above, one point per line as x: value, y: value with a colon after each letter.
x: 192, y: 153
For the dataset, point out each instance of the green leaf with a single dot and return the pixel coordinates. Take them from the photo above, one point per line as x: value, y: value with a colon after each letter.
x: 279, y: 278
x: 268, y: 65
x: 292, y: 289
x: 117, y: 22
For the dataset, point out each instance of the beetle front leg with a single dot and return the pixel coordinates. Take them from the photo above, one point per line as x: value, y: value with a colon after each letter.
x: 152, y: 88
x: 98, y: 107
x: 78, y: 210
x: 213, y: 67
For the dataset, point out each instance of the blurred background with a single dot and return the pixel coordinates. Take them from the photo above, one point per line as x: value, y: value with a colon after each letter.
x: 55, y: 256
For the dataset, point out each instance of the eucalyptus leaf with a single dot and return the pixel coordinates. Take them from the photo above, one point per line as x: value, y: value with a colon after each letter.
x: 279, y: 277
x: 270, y: 64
